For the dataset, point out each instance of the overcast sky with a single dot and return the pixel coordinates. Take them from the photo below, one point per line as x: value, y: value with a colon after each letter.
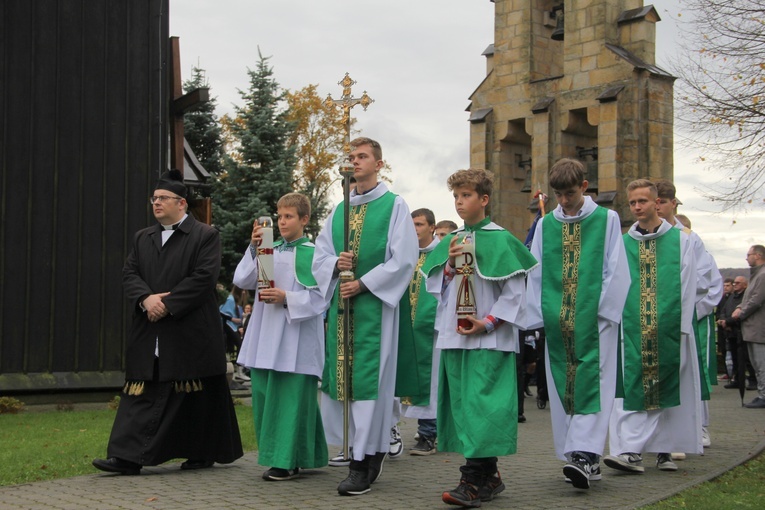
x: 420, y: 60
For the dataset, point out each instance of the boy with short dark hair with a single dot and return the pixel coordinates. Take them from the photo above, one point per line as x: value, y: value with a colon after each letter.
x: 284, y: 347
x: 477, y: 394
x: 580, y: 250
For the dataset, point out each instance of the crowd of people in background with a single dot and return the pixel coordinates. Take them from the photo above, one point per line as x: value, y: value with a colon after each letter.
x: 444, y: 323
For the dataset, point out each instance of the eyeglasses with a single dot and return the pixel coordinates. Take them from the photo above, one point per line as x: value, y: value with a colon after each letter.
x: 163, y: 198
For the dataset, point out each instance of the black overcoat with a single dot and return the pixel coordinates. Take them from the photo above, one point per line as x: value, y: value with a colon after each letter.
x: 191, y: 344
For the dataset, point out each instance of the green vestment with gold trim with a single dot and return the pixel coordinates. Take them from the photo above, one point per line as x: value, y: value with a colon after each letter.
x: 570, y: 307
x: 651, y: 327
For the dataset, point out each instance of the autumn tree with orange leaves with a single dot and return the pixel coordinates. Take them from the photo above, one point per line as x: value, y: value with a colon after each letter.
x: 317, y: 139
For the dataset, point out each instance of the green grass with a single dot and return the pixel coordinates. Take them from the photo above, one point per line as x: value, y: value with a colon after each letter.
x: 743, y: 487
x: 59, y: 444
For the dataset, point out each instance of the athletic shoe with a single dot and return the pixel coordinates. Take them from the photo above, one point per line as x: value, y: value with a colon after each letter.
x: 664, y: 462
x: 595, y: 474
x: 340, y: 461
x: 356, y: 484
x: 706, y: 439
x: 376, y: 466
x: 424, y: 446
x: 677, y: 456
x: 757, y: 403
x: 279, y: 474
x: 629, y: 462
x: 491, y: 487
x: 578, y: 471
x: 396, y: 443
x: 521, y: 418
x: 466, y: 494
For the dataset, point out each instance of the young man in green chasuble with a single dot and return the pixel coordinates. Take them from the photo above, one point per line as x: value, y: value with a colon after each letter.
x: 477, y: 386
x: 710, y: 288
x: 657, y: 408
x: 418, y: 359
x: 578, y: 296
x: 382, y: 255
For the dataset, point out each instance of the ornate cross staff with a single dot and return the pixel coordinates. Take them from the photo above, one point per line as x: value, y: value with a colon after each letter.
x: 347, y: 102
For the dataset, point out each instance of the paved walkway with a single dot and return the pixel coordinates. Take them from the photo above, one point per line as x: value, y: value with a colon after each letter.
x: 533, y: 477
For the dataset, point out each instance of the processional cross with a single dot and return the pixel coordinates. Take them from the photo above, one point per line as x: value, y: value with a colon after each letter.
x: 346, y: 102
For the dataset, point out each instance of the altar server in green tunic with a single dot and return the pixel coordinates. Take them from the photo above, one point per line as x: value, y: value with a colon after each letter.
x: 284, y: 347
x: 383, y: 255
x: 709, y: 294
x: 418, y: 359
x: 578, y: 296
x: 658, y: 407
x: 477, y: 392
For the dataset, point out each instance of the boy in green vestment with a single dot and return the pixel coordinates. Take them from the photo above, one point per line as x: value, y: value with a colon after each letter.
x: 477, y: 393
x: 657, y: 408
x: 578, y: 295
x: 284, y: 347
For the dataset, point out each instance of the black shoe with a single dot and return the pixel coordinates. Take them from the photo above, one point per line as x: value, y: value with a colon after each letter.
x: 197, y: 464
x: 757, y: 403
x: 115, y: 465
x: 278, y: 474
x: 465, y: 494
x: 521, y: 418
x: 424, y: 446
x: 578, y: 471
x: 491, y: 487
x: 356, y: 484
x: 376, y: 466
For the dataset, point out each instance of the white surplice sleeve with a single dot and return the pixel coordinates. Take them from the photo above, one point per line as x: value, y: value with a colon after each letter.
x: 616, y: 273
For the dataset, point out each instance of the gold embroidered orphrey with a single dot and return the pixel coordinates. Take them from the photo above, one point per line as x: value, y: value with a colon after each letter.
x: 415, y: 284
x: 649, y: 323
x: 572, y: 248
x: 355, y: 228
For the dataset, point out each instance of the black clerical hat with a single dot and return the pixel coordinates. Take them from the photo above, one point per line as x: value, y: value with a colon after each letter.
x: 172, y: 181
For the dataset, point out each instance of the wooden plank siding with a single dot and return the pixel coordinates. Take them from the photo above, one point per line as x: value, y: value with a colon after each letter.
x: 83, y: 136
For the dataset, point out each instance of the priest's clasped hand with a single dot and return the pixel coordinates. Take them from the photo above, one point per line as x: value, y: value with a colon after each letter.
x: 155, y: 308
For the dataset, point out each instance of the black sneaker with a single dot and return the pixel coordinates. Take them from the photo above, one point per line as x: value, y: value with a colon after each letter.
x: 279, y: 474
x: 376, y: 466
x: 356, y: 484
x: 578, y: 470
x: 424, y: 446
x: 466, y: 494
x: 491, y: 487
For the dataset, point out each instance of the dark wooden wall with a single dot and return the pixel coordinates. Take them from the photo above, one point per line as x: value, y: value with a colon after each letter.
x: 83, y: 106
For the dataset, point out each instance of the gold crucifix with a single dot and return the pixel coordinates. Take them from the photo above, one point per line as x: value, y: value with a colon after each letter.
x: 346, y: 102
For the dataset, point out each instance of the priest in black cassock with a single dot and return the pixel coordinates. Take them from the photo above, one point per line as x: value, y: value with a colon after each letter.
x: 176, y: 401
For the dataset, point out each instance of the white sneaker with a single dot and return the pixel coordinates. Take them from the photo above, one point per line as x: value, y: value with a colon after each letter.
x: 677, y: 456
x: 706, y: 439
x: 396, y: 443
x: 339, y: 460
x: 240, y: 375
x: 629, y: 462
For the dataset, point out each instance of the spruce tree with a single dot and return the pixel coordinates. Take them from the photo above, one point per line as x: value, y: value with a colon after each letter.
x: 201, y: 127
x: 259, y: 171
